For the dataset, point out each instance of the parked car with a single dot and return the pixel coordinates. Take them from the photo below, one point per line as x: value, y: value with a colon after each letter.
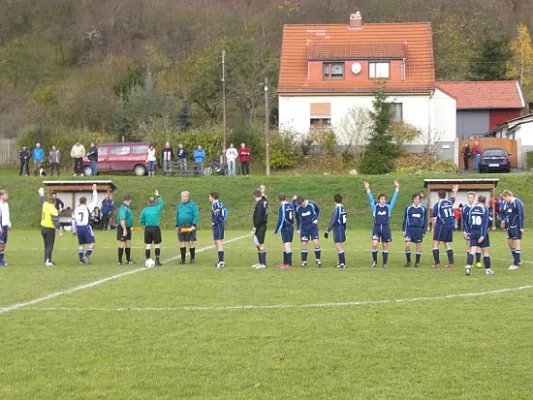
x: 495, y: 159
x: 120, y: 157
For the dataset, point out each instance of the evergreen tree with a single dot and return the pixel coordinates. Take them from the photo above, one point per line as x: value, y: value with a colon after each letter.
x: 491, y: 61
x: 380, y: 153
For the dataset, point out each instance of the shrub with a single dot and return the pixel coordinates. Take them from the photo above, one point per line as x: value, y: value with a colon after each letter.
x: 529, y: 160
x: 405, y: 133
x: 283, y: 150
x: 326, y: 138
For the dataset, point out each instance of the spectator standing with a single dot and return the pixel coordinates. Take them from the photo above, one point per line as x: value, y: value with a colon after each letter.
x: 466, y: 152
x: 108, y: 206
x: 54, y: 158
x: 77, y: 153
x: 199, y: 158
x: 244, y: 158
x: 476, y: 152
x: 168, y: 156
x: 92, y: 155
x: 38, y: 157
x: 231, y: 156
x: 150, y: 159
x: 24, y: 157
x: 182, y: 156
x: 96, y: 218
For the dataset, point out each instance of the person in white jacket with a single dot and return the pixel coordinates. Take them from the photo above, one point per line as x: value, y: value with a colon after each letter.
x: 231, y: 157
x: 150, y: 159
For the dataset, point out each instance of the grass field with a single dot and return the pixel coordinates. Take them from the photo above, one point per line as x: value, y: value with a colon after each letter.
x: 200, y: 333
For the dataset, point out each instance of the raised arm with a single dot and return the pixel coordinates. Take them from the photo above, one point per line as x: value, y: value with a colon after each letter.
x: 94, y: 200
x: 41, y: 195
x: 160, y: 202
x: 455, y: 189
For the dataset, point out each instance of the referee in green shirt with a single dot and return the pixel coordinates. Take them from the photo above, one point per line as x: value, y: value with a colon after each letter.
x: 150, y: 219
x: 187, y: 219
x: 124, y: 224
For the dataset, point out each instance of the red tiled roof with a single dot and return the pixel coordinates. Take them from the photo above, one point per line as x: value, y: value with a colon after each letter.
x: 298, y: 40
x: 356, y: 51
x: 484, y: 94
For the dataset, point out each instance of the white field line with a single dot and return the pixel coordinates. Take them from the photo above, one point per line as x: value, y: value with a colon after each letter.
x: 288, y: 306
x: 89, y: 285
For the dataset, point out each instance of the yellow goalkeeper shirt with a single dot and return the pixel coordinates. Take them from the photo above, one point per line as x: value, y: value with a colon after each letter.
x: 49, y: 211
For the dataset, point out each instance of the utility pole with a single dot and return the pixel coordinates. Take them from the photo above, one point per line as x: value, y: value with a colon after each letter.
x: 267, y: 129
x: 224, y: 122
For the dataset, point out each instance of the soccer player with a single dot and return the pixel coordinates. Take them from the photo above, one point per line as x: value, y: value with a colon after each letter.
x: 513, y: 222
x: 5, y: 225
x: 260, y: 219
x: 49, y: 224
x: 187, y: 218
x: 285, y: 227
x: 381, y: 231
x: 478, y: 228
x: 465, y: 212
x: 337, y: 224
x: 82, y: 228
x: 150, y: 219
x: 219, y: 215
x: 307, y: 215
x: 443, y: 222
x: 414, y: 228
x: 124, y: 225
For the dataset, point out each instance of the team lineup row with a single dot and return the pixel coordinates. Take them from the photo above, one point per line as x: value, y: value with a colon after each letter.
x: 306, y: 214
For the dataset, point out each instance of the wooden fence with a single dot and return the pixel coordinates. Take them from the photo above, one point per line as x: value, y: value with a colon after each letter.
x: 8, y: 151
x: 508, y: 144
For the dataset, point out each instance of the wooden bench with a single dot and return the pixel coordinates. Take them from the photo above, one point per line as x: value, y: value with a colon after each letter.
x: 196, y: 170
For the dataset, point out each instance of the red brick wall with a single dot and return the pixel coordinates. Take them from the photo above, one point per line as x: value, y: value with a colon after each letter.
x: 316, y: 71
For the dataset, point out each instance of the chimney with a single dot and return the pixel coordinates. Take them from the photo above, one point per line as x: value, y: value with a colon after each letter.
x: 356, y: 21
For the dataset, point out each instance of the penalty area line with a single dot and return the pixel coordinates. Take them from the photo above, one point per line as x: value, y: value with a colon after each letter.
x: 98, y: 282
x: 289, y: 306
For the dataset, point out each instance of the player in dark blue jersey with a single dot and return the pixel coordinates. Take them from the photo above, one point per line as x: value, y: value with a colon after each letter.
x: 443, y: 224
x: 285, y: 227
x: 465, y: 212
x: 478, y: 220
x: 338, y: 226
x: 218, y: 220
x: 307, y: 215
x: 513, y: 222
x: 414, y: 228
x: 381, y: 232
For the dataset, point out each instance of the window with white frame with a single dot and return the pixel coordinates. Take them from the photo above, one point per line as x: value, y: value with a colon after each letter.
x: 379, y: 70
x: 396, y: 112
x: 333, y: 70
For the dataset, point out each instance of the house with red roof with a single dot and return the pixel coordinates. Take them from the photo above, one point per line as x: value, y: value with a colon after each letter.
x: 328, y: 71
x: 484, y: 105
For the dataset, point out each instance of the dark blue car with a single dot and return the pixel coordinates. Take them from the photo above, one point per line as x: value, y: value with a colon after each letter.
x: 495, y: 159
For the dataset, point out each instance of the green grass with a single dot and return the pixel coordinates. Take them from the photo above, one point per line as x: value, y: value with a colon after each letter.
x: 137, y: 337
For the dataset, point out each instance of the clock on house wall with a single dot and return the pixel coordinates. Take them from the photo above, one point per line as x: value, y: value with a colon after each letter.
x: 356, y: 68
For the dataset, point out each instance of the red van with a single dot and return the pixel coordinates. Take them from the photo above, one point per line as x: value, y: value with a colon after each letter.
x: 120, y: 157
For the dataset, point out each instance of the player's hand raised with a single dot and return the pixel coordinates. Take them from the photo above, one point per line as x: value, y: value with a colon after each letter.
x: 366, y: 185
x: 455, y: 188
x: 396, y: 184
x: 156, y: 193
x: 95, y: 187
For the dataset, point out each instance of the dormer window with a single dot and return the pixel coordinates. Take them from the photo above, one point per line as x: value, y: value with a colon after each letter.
x: 333, y: 70
x: 379, y: 70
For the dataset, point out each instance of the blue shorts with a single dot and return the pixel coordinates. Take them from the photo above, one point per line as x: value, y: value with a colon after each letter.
x: 218, y: 231
x: 287, y: 234
x: 513, y: 232
x: 3, y: 236
x: 309, y: 232
x: 443, y: 233
x: 474, y: 239
x: 339, y: 234
x: 382, y: 233
x: 414, y: 234
x: 85, y: 235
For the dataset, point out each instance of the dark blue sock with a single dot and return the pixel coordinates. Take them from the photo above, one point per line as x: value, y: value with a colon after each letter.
x: 436, y: 256
x: 88, y: 253
x: 80, y: 253
x: 1, y: 256
x: 342, y: 258
x: 317, y: 253
x: 221, y: 256
x: 285, y: 257
x: 263, y: 257
x: 289, y: 258
x: 418, y: 256
x: 375, y: 256
x: 304, y: 255
x: 517, y: 254
x: 408, y: 255
x: 478, y: 257
x: 385, y: 256
x: 486, y: 261
x: 512, y: 252
x: 259, y: 257
x: 470, y: 259
x: 450, y: 256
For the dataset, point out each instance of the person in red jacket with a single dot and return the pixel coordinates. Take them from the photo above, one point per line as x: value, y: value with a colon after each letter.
x: 244, y: 158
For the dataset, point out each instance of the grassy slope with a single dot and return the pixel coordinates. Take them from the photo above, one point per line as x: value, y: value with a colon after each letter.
x: 236, y: 194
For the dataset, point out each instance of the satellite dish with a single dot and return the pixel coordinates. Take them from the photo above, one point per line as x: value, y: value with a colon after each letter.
x: 356, y: 68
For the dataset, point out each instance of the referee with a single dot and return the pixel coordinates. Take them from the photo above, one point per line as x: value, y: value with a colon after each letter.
x: 187, y: 219
x: 49, y: 224
x: 260, y: 219
x: 124, y: 224
x: 150, y: 219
